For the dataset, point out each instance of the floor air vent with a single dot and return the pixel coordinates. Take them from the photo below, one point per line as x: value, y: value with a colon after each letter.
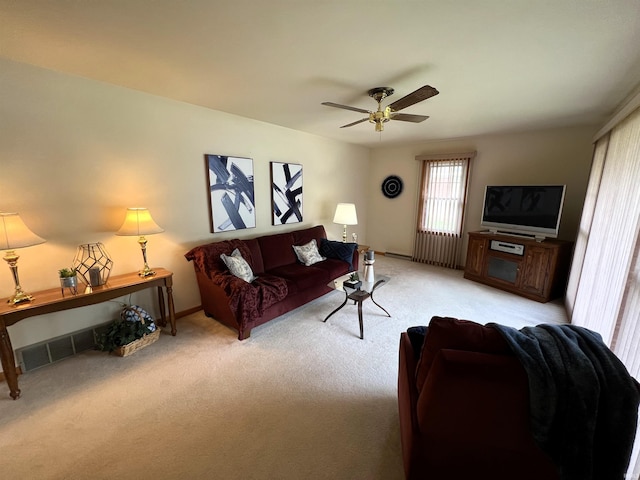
x: 45, y: 353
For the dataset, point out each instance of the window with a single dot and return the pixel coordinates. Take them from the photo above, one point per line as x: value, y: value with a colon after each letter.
x: 443, y: 197
x: 441, y: 210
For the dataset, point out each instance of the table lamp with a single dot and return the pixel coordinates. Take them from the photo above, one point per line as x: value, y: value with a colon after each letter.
x: 138, y: 222
x: 345, y: 215
x: 15, y: 234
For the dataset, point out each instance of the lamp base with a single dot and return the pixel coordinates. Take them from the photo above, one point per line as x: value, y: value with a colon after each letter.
x: 20, y: 297
x: 146, y: 272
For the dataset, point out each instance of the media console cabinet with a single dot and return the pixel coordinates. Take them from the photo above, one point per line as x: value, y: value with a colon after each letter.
x: 533, y: 269
x: 52, y: 300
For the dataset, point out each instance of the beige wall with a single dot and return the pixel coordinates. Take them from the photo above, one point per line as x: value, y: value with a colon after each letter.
x: 559, y: 156
x: 76, y: 153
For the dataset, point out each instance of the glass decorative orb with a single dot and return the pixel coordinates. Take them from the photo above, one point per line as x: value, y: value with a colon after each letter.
x: 93, y: 263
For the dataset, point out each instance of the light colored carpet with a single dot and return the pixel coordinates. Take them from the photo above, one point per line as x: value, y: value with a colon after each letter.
x: 299, y: 399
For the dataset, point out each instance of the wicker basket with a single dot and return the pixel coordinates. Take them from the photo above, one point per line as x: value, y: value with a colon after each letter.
x: 133, y: 347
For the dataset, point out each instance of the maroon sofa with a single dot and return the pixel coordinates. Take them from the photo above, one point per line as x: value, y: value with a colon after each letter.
x: 282, y: 283
x: 464, y: 407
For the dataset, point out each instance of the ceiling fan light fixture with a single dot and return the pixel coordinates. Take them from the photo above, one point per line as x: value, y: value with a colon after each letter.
x: 380, y: 116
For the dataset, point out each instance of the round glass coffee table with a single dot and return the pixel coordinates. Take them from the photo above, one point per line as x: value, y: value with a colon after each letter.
x: 358, y: 295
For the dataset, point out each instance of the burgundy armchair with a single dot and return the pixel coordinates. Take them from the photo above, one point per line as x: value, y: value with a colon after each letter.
x: 464, y: 407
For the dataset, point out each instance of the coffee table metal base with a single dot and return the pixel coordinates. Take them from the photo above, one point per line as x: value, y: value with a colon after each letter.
x: 358, y: 297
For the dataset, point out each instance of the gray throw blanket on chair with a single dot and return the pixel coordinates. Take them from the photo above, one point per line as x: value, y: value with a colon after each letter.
x: 583, y: 402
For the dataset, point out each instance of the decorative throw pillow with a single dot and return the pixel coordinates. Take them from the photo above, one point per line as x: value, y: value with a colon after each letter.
x: 308, y: 253
x: 416, y: 337
x: 135, y: 313
x: 339, y: 250
x: 238, y: 266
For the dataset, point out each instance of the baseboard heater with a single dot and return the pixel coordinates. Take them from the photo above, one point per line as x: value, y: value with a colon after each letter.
x: 59, y: 348
x: 397, y: 255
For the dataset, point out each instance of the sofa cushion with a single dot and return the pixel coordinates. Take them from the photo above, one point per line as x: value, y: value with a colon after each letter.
x: 338, y: 250
x: 454, y: 334
x: 238, y: 266
x: 256, y: 255
x: 300, y: 237
x: 308, y: 253
x: 334, y: 268
x: 303, y: 277
x: 276, y: 250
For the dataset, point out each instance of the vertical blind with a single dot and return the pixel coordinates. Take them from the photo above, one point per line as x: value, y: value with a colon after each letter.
x: 604, y: 285
x: 593, y: 187
x: 441, y: 210
x: 613, y: 237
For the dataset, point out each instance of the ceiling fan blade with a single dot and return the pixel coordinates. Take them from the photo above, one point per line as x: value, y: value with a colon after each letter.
x: 355, y: 123
x: 346, y: 107
x: 406, y: 117
x: 418, y: 96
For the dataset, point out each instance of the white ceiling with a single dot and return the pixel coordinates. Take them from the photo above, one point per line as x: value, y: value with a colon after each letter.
x: 500, y: 65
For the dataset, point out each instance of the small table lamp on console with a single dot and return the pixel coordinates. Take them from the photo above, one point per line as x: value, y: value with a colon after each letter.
x: 345, y: 215
x: 15, y: 234
x: 138, y: 222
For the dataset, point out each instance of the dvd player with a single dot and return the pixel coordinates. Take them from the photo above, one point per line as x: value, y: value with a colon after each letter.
x: 515, y: 248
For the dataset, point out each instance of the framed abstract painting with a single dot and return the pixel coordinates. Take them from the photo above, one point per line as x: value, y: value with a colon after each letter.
x: 286, y: 193
x: 231, y: 193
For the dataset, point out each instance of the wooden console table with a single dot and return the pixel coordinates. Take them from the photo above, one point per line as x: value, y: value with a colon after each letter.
x: 49, y: 301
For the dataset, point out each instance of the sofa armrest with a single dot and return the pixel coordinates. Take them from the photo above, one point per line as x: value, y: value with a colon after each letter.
x: 407, y: 401
x: 214, y: 295
x: 407, y: 392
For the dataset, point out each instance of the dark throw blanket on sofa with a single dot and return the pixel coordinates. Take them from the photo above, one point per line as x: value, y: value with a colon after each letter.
x: 584, y: 403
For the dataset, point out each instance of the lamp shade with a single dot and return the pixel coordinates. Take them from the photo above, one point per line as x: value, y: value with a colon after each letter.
x: 15, y: 234
x: 346, y: 214
x: 138, y: 221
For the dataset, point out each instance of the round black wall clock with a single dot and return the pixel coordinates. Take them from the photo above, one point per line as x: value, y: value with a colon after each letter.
x: 392, y: 186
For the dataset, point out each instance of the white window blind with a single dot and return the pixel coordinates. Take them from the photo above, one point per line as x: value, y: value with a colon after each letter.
x: 604, y: 285
x: 613, y: 235
x: 593, y: 188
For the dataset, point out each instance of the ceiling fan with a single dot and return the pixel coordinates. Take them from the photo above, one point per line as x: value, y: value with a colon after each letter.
x: 390, y: 112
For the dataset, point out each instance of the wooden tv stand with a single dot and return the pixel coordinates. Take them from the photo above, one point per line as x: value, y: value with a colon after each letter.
x: 526, y: 267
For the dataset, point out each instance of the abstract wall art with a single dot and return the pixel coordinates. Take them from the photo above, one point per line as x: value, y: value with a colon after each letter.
x: 286, y: 193
x: 231, y: 194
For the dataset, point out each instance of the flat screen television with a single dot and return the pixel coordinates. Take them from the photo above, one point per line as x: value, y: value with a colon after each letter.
x: 529, y: 210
